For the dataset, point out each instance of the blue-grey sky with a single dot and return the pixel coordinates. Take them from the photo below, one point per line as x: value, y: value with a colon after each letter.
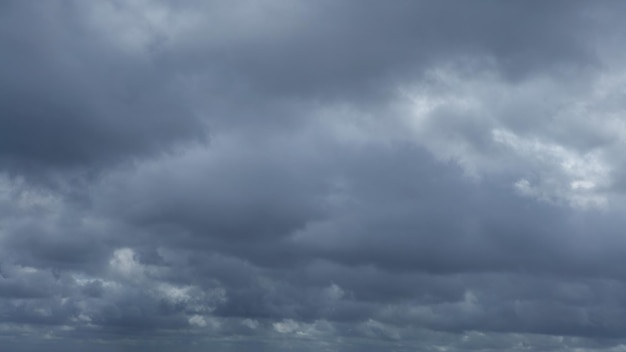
x: 289, y: 175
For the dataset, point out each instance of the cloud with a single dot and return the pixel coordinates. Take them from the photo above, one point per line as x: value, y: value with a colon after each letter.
x: 289, y: 175
x: 74, y: 99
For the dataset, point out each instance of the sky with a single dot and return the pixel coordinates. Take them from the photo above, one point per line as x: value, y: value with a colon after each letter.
x: 290, y: 175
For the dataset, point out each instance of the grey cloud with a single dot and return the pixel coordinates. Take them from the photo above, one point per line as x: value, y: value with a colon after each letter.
x: 365, y: 45
x: 354, y: 176
x: 71, y: 98
x: 492, y: 234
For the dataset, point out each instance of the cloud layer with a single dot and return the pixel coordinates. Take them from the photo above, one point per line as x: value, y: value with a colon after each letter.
x: 289, y: 175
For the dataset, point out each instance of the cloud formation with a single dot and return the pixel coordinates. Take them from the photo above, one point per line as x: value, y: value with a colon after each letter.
x: 289, y: 175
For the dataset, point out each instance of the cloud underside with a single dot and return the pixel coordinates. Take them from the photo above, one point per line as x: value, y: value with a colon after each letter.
x: 289, y: 175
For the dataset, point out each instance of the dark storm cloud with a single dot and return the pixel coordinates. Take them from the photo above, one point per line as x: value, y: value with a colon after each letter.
x: 352, y: 49
x: 395, y: 208
x: 378, y: 176
x: 69, y: 97
x: 393, y: 215
x: 72, y: 95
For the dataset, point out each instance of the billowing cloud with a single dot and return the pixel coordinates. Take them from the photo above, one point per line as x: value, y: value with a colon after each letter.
x: 289, y: 175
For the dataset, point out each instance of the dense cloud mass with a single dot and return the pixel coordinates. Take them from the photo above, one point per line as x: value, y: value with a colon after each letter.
x: 286, y: 175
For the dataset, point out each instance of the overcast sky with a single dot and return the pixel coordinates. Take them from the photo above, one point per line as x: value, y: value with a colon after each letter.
x: 323, y: 175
